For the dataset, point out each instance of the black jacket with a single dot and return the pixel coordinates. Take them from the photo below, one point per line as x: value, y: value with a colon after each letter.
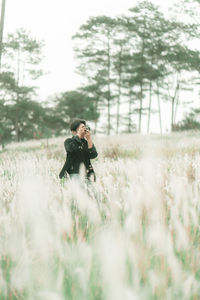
x: 77, y: 153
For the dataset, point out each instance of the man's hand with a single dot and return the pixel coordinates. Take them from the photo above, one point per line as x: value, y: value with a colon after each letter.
x: 87, y: 135
x: 89, y: 139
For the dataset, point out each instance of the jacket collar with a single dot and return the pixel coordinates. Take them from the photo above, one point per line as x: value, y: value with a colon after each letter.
x: 77, y: 138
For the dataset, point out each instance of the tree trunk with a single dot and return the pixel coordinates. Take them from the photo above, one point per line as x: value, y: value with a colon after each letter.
x: 177, y: 102
x: 149, y: 110
x: 141, y: 106
x: 119, y: 91
x: 129, y: 114
x: 108, y: 97
x: 3, y: 6
x: 18, y: 67
x: 17, y: 129
x: 159, y: 110
x: 173, y: 106
x: 96, y: 121
x: 17, y: 95
x: 141, y: 91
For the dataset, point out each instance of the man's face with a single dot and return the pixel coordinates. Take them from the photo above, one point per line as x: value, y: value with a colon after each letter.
x: 81, y: 130
x: 81, y: 127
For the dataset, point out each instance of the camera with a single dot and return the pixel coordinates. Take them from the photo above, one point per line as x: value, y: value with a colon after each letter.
x: 87, y: 128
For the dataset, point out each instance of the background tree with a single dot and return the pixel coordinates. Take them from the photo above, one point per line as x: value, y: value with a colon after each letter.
x: 147, y: 26
x: 75, y: 104
x: 94, y: 51
x: 120, y: 59
x: 191, y: 121
x: 22, y: 57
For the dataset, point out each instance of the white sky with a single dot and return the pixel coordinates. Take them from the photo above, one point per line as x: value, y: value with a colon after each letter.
x: 55, y: 21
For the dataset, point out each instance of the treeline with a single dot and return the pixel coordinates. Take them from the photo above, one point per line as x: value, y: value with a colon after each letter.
x: 130, y: 64
x: 22, y: 116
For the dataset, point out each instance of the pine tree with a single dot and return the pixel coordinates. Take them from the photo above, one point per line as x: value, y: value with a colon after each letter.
x: 94, y: 51
x: 22, y: 57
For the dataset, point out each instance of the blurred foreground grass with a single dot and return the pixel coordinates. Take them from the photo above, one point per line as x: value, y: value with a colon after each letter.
x: 134, y: 234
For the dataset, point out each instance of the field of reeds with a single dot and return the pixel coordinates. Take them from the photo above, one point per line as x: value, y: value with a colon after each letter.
x: 134, y: 234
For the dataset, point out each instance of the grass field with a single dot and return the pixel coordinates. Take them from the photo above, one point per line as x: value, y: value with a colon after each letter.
x: 134, y: 234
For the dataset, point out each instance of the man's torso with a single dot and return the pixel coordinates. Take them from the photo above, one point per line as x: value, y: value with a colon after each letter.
x: 78, y: 156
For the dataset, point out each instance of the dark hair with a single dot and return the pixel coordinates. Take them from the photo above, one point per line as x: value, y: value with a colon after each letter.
x: 75, y: 124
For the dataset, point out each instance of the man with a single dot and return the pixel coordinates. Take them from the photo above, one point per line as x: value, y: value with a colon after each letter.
x: 80, y: 149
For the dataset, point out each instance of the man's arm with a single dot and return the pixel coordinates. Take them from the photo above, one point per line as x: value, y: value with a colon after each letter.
x: 90, y: 142
x: 91, y: 148
x: 63, y: 171
x: 92, y: 152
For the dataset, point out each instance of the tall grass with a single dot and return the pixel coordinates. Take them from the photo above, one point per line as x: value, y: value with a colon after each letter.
x: 134, y: 234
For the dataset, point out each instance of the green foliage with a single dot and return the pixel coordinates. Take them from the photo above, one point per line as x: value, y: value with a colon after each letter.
x: 22, y: 116
x: 190, y: 122
x: 7, y: 81
x: 75, y: 104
